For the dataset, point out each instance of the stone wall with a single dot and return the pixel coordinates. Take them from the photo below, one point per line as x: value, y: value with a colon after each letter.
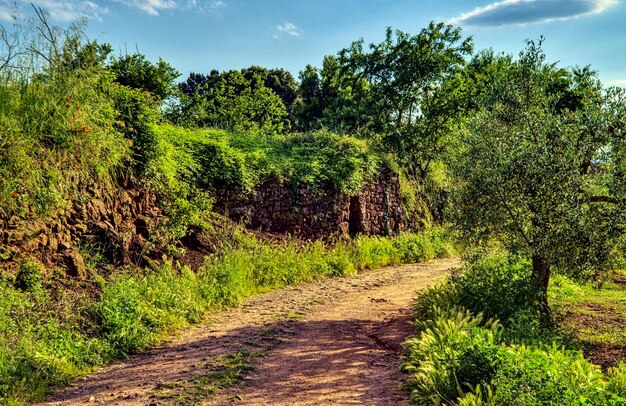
x: 275, y: 207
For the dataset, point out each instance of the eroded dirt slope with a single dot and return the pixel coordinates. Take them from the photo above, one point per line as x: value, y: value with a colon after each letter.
x: 337, y: 341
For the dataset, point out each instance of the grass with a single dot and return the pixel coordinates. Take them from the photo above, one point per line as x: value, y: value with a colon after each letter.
x: 595, y: 315
x: 52, y: 332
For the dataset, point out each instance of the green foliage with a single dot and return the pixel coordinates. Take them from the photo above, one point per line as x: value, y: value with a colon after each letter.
x: 136, y: 113
x: 526, y: 363
x: 321, y: 159
x: 135, y: 311
x: 233, y: 100
x: 440, y: 297
x: 498, y: 286
x: 57, y: 122
x: 214, y: 158
x: 29, y: 276
x: 617, y: 380
x: 452, y: 353
x: 135, y: 72
x: 414, y: 97
x: 530, y: 376
x: 43, y: 342
x: 532, y: 173
x: 310, y: 108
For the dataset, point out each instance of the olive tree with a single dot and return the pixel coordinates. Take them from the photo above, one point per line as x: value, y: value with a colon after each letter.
x: 536, y: 170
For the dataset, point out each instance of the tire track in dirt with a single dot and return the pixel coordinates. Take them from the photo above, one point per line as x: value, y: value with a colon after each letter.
x: 336, y: 341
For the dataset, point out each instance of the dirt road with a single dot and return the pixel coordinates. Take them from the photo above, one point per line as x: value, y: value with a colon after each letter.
x: 337, y: 341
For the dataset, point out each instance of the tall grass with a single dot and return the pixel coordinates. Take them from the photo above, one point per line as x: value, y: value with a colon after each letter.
x: 57, y: 130
x: 49, y: 333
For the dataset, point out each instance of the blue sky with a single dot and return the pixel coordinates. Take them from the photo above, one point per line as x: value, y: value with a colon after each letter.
x: 200, y: 35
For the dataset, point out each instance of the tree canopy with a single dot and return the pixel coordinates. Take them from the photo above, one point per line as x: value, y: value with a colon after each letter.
x: 236, y: 100
x: 415, y: 98
x: 136, y: 72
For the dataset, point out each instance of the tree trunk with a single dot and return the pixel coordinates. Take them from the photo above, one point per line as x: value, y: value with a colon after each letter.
x: 541, y: 275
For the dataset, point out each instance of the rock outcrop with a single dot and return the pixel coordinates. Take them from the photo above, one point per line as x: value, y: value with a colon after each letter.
x: 116, y: 220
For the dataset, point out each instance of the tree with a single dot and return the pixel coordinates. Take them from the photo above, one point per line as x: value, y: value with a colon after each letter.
x: 537, y: 169
x: 232, y: 100
x: 413, y: 99
x: 346, y: 98
x: 335, y: 97
x: 278, y: 80
x: 310, y: 109
x: 136, y: 72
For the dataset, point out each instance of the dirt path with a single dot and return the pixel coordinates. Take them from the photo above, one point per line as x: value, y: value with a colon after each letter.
x: 331, y: 342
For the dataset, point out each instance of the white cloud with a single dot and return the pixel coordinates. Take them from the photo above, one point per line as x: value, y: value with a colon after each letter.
x: 151, y: 7
x: 71, y: 10
x: 218, y: 4
x: 290, y: 29
x: 58, y: 10
x: 522, y: 12
x: 155, y: 7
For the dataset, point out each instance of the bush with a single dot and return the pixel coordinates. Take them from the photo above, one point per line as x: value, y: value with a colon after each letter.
x: 457, y: 358
x: 498, y: 286
x: 137, y: 114
x: 134, y: 312
x: 617, y: 380
x: 531, y: 376
x: 443, y: 296
x: 43, y: 342
x: 57, y: 123
x: 215, y: 158
x: 29, y: 276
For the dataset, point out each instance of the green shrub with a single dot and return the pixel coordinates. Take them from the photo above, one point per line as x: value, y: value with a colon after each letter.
x: 373, y: 252
x: 215, y: 158
x: 57, y: 124
x: 134, y: 311
x: 498, y: 286
x: 29, y: 276
x: 531, y: 376
x: 459, y: 359
x: 443, y: 296
x: 43, y: 343
x: 617, y: 380
x: 415, y: 247
x: 137, y: 114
